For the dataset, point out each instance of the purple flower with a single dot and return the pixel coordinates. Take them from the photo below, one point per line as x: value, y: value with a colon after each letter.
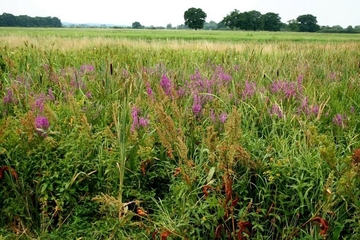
x: 315, y: 109
x: 339, y: 120
x: 51, y: 95
x: 304, y: 103
x: 181, y: 92
x: 165, y: 83
x: 137, y: 120
x: 212, y: 115
x: 276, y: 86
x: 196, y: 76
x: 135, y: 117
x: 143, y: 122
x: 223, y: 117
x: 289, y: 89
x: 78, y: 83
x: 42, y: 125
x: 149, y: 90
x: 88, y: 95
x: 276, y: 110
x: 9, y: 98
x: 250, y: 88
x: 39, y: 102
x: 304, y: 106
x: 196, y: 108
x: 87, y: 68
x: 221, y: 75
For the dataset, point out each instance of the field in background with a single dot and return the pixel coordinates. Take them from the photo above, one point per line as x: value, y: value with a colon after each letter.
x: 181, y: 35
x: 179, y: 134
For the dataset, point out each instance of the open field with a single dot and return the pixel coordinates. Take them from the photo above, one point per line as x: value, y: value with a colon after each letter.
x: 212, y: 36
x: 166, y: 134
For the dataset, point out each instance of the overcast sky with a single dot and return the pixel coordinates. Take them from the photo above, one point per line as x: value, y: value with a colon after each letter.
x: 162, y: 12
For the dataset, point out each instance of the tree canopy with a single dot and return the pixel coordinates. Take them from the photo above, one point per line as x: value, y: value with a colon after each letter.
x: 308, y: 23
x: 195, y: 18
x: 231, y: 20
x: 9, y: 20
x: 271, y: 21
x: 252, y: 20
x: 137, y: 25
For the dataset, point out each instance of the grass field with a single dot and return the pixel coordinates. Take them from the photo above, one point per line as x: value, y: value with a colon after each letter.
x: 179, y: 134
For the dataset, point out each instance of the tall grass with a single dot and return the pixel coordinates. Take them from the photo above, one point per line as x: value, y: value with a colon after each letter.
x: 149, y: 137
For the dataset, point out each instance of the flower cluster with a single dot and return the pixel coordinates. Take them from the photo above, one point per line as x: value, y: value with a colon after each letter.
x: 137, y: 120
x: 287, y: 89
x: 42, y: 125
x: 340, y: 120
x: 276, y: 111
x: 166, y: 84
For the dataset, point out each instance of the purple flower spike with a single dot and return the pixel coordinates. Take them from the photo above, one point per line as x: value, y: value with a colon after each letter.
x: 250, y: 88
x: 196, y: 108
x: 276, y: 110
x: 137, y: 120
x: 87, y: 68
x: 51, y: 95
x: 9, y: 98
x: 143, y: 122
x: 339, y: 120
x: 212, y: 115
x: 149, y: 89
x: 223, y: 117
x: 165, y: 83
x: 42, y: 125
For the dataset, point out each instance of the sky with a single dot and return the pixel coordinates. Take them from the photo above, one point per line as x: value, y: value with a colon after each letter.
x: 163, y: 12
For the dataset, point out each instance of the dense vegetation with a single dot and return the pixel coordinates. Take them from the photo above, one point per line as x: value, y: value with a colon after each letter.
x: 9, y: 20
x: 150, y: 137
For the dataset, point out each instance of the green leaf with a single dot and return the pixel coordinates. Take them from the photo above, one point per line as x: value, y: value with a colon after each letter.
x: 210, y: 175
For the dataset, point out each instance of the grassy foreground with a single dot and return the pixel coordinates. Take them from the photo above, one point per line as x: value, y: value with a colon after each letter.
x: 124, y: 134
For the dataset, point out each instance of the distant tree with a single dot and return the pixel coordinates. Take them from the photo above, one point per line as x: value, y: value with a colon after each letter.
x: 337, y: 28
x: 221, y: 25
x: 195, y: 18
x: 293, y: 26
x: 271, y: 22
x: 308, y: 23
x: 56, y: 22
x: 231, y: 20
x: 350, y: 29
x: 137, y: 25
x: 8, y: 20
x: 182, y: 26
x: 253, y: 21
x: 169, y: 26
x: 210, y: 25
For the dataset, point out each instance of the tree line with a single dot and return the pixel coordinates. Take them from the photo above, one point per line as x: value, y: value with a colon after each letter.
x: 9, y: 20
x: 194, y: 18
x: 253, y: 21
x: 256, y: 21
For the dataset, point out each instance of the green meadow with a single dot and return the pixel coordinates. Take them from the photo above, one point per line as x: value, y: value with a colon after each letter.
x: 179, y: 134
